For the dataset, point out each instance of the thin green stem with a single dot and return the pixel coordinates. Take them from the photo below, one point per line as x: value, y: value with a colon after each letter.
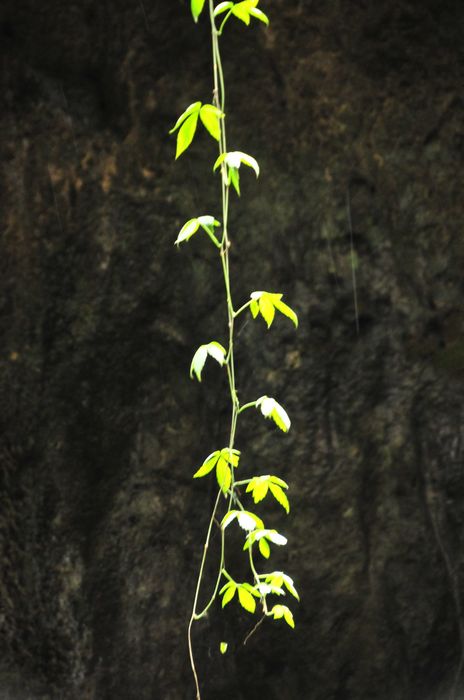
x: 242, y: 308
x: 219, y: 99
x: 252, y: 404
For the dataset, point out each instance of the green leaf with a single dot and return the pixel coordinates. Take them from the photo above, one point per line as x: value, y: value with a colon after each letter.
x: 191, y: 226
x: 187, y: 231
x: 264, y: 548
x: 222, y: 7
x: 229, y: 593
x: 196, y: 6
x: 246, y: 600
x: 234, y: 179
x: 248, y: 521
x: 271, y: 409
x: 275, y: 537
x: 241, y: 12
x: 232, y: 456
x: 254, y: 308
x: 280, y: 482
x: 198, y: 362
x: 266, y: 300
x: 251, y: 589
x: 281, y: 611
x: 258, y: 14
x: 280, y: 496
x: 223, y: 475
x: 194, y: 107
x: 223, y: 647
x: 259, y: 486
x: 250, y: 161
x: 219, y: 160
x: 214, y: 349
x: 210, y: 116
x: 278, y: 578
x: 287, y: 311
x: 267, y: 309
x: 208, y: 465
x: 186, y: 134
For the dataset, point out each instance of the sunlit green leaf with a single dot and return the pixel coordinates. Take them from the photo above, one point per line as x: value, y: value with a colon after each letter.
x: 279, y: 482
x: 223, y: 646
x: 223, y: 474
x: 278, y: 578
x: 287, y: 311
x: 265, y: 300
x: 214, y: 349
x: 210, y: 117
x: 187, y: 231
x: 208, y: 465
x: 194, y: 107
x: 267, y: 309
x: 259, y: 486
x: 186, y: 134
x: 246, y: 600
x: 219, y: 160
x: 264, y: 548
x: 234, y: 178
x: 255, y: 12
x: 254, y: 308
x: 222, y: 7
x: 229, y: 594
x: 280, y: 496
x: 250, y: 161
x: 232, y: 456
x: 251, y: 589
x: 196, y: 7
x: 281, y: 611
x: 271, y: 409
x: 248, y: 521
x: 198, y: 362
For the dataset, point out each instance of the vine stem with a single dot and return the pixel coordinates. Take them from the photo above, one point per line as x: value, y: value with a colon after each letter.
x: 219, y: 100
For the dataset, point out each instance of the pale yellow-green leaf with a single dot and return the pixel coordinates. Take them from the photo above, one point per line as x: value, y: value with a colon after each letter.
x: 219, y: 160
x: 255, y: 12
x: 196, y: 6
x: 208, y: 465
x: 280, y: 496
x: 223, y: 474
x: 188, y: 229
x: 210, y: 117
x: 232, y: 456
x: 279, y: 482
x: 194, y: 107
x: 186, y: 134
x: 287, y: 311
x: 250, y: 161
x: 198, y: 362
x: 248, y: 521
x: 216, y: 351
x: 267, y: 309
x: 246, y: 600
x: 222, y: 7
x: 288, y: 617
x: 259, y: 487
x: 223, y: 647
x: 264, y: 548
x: 254, y: 308
x: 234, y: 179
x: 229, y: 594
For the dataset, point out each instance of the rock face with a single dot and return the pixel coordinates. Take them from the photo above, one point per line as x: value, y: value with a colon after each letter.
x: 355, y: 113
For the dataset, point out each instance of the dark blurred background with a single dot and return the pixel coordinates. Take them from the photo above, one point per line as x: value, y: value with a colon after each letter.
x: 355, y: 111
